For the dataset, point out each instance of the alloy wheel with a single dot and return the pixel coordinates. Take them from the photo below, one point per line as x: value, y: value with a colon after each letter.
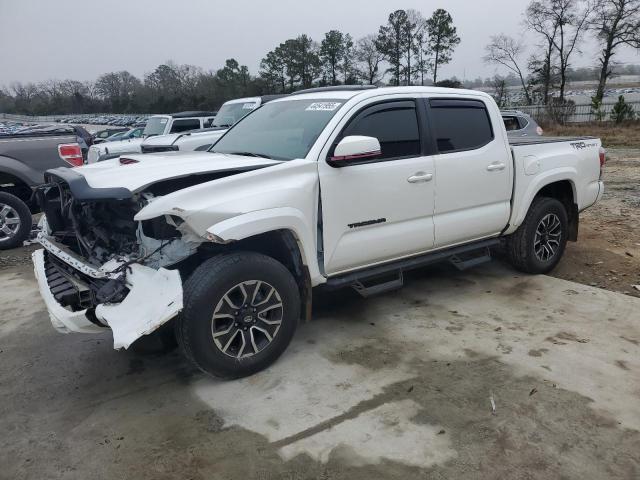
x: 247, y: 319
x: 9, y: 222
x: 546, y: 242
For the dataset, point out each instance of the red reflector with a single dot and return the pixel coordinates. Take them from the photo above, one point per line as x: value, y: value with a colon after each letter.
x: 127, y: 161
x: 71, y: 153
x: 603, y: 157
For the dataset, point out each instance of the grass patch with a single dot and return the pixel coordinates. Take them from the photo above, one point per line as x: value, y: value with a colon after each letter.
x: 626, y: 134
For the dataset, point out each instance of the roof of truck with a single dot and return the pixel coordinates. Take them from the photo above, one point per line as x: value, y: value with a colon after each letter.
x: 261, y: 99
x: 351, y: 91
x: 195, y: 113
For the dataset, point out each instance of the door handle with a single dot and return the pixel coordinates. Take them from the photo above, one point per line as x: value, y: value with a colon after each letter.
x: 496, y: 166
x: 420, y: 177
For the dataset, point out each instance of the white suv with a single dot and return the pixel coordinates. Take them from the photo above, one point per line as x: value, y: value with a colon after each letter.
x: 156, y: 125
x: 230, y: 112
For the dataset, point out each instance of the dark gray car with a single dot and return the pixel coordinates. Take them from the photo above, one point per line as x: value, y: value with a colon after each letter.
x: 23, y: 160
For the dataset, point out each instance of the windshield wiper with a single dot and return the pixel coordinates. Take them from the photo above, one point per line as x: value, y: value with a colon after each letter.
x: 249, y: 154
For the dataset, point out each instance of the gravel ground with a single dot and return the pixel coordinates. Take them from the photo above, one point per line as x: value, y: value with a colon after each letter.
x: 607, y: 254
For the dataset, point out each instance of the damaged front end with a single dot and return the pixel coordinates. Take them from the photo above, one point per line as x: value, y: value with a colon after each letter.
x: 101, y: 268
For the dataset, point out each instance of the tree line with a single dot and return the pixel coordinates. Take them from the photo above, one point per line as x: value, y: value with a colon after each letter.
x: 408, y: 49
x: 560, y: 27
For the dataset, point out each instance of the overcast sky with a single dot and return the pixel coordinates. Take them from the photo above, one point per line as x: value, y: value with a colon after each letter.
x: 81, y: 39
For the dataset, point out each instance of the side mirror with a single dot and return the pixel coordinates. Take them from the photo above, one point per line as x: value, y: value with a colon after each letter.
x: 354, y: 149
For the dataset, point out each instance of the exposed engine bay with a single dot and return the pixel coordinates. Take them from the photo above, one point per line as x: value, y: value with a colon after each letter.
x: 103, y: 232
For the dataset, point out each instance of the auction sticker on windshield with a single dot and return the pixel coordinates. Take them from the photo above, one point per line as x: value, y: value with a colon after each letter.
x: 323, y: 106
x: 249, y: 106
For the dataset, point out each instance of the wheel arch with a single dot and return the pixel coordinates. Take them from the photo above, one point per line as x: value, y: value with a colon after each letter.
x: 562, y: 189
x: 282, y: 245
x: 16, y: 185
x: 565, y: 192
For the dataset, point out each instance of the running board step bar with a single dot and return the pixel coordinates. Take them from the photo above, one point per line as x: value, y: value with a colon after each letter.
x: 377, y: 288
x: 463, y: 256
x: 470, y: 261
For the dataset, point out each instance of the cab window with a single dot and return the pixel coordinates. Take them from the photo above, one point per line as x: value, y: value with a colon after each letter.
x: 394, y: 124
x: 460, y: 125
x: 182, y: 125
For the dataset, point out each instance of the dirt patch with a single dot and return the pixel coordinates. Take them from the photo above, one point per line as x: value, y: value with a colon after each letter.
x: 16, y: 256
x: 607, y: 254
x: 372, y: 355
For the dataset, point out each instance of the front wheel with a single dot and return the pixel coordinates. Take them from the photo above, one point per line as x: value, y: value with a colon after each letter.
x: 538, y: 244
x: 240, y: 313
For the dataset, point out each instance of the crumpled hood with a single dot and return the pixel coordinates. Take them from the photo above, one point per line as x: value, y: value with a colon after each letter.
x: 149, y: 169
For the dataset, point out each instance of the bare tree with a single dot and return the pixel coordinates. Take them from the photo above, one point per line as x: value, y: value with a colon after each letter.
x: 615, y: 23
x: 499, y: 86
x: 541, y: 65
x: 506, y: 51
x: 369, y: 59
x: 415, y: 27
x: 564, y: 23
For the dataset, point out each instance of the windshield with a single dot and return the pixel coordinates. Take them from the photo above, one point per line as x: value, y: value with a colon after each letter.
x: 155, y: 126
x: 279, y: 130
x: 230, y: 113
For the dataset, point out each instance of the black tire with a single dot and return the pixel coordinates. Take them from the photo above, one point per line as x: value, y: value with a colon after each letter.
x: 21, y: 212
x: 205, y: 290
x: 521, y: 246
x: 162, y: 341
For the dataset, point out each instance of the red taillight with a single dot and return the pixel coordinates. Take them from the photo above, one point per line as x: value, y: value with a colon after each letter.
x: 71, y: 153
x: 127, y: 161
x: 603, y: 160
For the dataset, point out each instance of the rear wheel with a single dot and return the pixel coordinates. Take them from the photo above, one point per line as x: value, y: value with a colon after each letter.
x: 15, y: 221
x: 240, y: 313
x: 538, y: 244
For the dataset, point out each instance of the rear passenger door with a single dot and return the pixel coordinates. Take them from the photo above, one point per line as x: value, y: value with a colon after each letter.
x: 473, y: 170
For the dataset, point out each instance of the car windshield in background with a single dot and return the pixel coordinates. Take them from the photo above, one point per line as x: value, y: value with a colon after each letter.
x: 229, y: 114
x: 155, y: 126
x: 279, y: 130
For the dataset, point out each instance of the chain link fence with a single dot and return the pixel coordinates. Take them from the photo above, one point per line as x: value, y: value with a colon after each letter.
x: 570, y: 113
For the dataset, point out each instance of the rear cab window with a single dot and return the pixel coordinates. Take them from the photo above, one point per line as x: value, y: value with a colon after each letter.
x: 460, y: 125
x: 185, y: 124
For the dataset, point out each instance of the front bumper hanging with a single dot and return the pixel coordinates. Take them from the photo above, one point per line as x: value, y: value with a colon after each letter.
x: 154, y: 298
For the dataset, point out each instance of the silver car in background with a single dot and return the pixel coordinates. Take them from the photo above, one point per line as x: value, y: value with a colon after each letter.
x: 520, y: 124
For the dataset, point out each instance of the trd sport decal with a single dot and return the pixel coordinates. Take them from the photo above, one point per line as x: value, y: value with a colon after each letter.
x: 366, y: 223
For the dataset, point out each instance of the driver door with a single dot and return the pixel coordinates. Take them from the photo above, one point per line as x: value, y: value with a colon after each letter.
x: 379, y: 209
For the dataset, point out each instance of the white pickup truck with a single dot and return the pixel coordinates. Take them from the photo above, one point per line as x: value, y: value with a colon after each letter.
x: 329, y: 187
x: 156, y: 125
x: 230, y: 112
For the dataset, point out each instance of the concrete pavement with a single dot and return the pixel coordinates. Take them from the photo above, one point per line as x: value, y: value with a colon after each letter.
x: 397, y: 386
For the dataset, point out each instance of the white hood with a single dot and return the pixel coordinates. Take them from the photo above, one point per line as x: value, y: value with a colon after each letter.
x: 167, y: 139
x: 150, y: 169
